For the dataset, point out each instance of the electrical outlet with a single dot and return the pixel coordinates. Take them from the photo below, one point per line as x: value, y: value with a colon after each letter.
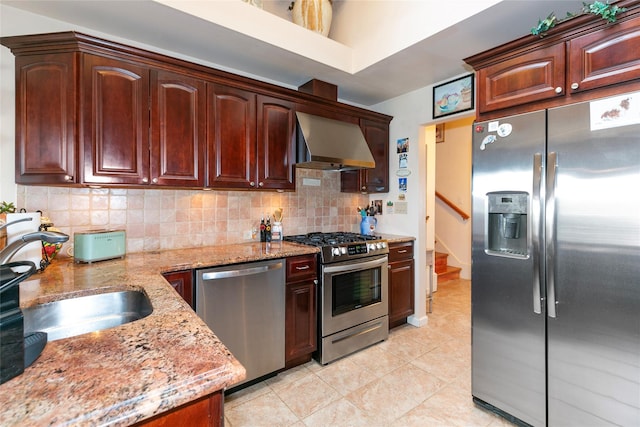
x: 248, y: 235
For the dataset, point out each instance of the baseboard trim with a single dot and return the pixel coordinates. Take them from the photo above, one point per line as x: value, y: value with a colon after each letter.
x: 417, y: 321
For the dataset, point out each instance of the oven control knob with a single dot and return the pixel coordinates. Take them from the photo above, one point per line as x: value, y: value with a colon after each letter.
x: 372, y: 246
x: 343, y: 250
x: 383, y: 244
x: 335, y: 251
x: 379, y: 245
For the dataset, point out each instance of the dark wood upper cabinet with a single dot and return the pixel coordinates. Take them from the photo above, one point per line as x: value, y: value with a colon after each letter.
x: 178, y: 129
x: 251, y: 140
x: 94, y: 112
x: 276, y: 144
x: 530, y: 77
x: 115, y: 122
x: 374, y: 180
x: 605, y: 57
x: 231, y: 137
x: 580, y: 59
x: 45, y: 131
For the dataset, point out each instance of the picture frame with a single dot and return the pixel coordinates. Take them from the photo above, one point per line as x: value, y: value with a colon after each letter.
x: 439, y: 133
x: 454, y: 96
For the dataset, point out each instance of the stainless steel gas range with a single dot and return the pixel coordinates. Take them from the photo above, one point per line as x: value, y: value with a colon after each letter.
x: 353, y: 292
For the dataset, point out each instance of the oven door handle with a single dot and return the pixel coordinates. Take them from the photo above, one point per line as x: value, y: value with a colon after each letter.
x: 355, y: 266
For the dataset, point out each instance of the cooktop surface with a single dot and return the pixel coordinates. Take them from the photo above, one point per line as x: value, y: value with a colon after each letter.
x: 329, y: 239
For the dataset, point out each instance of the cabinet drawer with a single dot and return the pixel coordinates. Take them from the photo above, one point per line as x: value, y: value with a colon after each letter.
x: 400, y: 251
x: 301, y: 267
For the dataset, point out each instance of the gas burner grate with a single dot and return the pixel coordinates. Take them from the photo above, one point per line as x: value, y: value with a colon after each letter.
x: 329, y: 239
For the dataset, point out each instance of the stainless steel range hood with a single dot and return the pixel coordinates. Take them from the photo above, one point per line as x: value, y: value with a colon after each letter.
x: 331, y: 144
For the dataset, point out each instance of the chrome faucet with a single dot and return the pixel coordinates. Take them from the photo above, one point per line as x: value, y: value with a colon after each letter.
x: 13, y: 247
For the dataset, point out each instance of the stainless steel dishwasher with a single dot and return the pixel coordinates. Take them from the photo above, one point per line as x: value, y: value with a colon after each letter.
x: 244, y: 306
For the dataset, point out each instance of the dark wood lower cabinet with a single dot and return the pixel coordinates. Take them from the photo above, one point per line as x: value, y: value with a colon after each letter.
x: 301, y: 310
x: 401, y: 283
x: 182, y: 282
x: 207, y: 411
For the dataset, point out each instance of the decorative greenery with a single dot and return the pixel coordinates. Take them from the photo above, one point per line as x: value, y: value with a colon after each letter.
x: 7, y: 207
x: 605, y: 10
x: 598, y: 8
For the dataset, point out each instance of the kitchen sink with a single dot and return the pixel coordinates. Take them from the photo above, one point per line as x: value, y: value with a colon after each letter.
x: 77, y: 316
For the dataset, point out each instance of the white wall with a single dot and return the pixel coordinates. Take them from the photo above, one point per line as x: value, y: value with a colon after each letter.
x: 412, y: 118
x: 410, y: 112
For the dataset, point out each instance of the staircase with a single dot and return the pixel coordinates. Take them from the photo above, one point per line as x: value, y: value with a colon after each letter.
x: 445, y: 272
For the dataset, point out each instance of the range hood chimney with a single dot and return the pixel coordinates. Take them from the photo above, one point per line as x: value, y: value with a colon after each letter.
x: 331, y: 144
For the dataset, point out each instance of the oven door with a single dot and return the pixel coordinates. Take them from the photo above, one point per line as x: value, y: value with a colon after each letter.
x: 353, y: 292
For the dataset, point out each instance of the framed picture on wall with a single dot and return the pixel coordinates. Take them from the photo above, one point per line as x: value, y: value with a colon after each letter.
x: 440, y: 133
x: 453, y: 97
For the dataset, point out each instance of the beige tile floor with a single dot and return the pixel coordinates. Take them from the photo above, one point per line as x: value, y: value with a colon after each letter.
x: 418, y: 377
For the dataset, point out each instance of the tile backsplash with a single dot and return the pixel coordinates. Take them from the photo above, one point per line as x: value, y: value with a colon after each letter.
x: 169, y: 219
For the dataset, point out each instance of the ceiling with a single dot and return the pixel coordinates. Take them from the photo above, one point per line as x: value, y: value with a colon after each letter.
x: 433, y: 59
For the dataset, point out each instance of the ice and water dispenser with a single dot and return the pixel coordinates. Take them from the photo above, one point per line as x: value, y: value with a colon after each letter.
x: 507, y: 224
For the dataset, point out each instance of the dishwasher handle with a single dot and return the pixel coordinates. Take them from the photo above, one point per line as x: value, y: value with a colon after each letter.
x: 244, y: 271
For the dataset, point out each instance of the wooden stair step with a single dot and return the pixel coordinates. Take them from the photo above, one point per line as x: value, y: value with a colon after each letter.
x: 451, y: 273
x: 441, y: 262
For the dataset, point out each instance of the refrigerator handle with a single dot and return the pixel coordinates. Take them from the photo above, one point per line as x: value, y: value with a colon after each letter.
x: 536, y: 214
x: 550, y: 233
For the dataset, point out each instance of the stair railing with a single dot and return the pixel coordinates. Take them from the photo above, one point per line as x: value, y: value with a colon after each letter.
x: 465, y: 216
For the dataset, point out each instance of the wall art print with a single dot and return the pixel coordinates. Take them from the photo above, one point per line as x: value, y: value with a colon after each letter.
x: 453, y: 97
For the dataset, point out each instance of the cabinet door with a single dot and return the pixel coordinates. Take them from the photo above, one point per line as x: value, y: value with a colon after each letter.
x: 533, y: 76
x: 207, y: 411
x: 374, y: 180
x: 300, y: 321
x: 401, y: 293
x: 377, y: 135
x: 605, y: 57
x: 45, y: 119
x: 182, y: 282
x: 115, y: 125
x: 231, y: 138
x: 276, y: 144
x: 178, y: 126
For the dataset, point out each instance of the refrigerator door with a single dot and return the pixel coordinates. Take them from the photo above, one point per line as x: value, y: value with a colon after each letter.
x: 508, y: 329
x: 594, y: 223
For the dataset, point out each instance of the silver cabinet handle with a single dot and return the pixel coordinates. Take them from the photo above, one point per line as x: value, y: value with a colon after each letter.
x: 536, y: 214
x: 550, y: 233
x: 154, y: 180
x: 213, y: 275
x: 559, y: 89
x: 304, y: 267
x: 145, y: 179
x: 403, y: 251
x: 68, y: 178
x: 261, y: 184
x: 252, y: 184
x: 575, y: 86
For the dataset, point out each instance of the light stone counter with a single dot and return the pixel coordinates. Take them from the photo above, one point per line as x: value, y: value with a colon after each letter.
x: 395, y: 238
x: 125, y: 374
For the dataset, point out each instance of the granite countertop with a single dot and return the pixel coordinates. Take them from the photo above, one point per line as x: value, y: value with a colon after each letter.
x: 394, y: 238
x: 125, y: 374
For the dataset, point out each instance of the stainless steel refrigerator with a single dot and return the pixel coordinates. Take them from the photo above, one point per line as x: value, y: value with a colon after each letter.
x: 556, y: 264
